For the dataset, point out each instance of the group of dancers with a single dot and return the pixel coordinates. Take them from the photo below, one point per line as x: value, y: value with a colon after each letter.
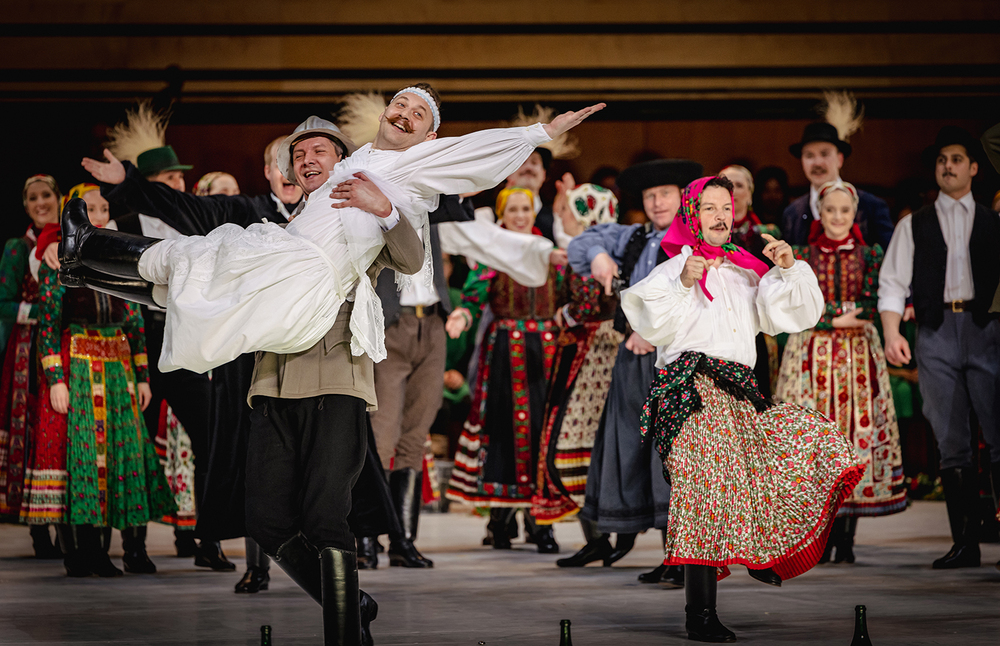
x: 627, y: 375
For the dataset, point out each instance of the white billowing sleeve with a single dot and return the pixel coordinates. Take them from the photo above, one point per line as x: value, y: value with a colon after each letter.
x: 897, y: 269
x: 473, y: 162
x: 524, y: 257
x: 559, y: 233
x: 789, y: 300
x: 659, y: 303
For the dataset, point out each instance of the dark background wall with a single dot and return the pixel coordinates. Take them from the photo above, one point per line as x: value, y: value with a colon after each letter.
x: 714, y: 80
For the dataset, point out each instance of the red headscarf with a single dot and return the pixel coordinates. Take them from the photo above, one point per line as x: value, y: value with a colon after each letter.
x: 686, y: 231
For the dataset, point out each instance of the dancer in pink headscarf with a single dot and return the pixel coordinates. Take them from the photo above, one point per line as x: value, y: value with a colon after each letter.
x: 752, y: 482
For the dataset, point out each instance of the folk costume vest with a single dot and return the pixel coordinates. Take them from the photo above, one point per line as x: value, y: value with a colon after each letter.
x: 930, y: 258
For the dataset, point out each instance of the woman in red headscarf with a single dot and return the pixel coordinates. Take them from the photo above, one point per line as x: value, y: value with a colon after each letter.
x: 752, y: 482
x: 838, y: 367
x: 19, y: 383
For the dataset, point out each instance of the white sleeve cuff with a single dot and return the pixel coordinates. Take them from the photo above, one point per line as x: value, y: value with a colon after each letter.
x: 24, y: 314
x: 389, y: 221
x: 536, y: 135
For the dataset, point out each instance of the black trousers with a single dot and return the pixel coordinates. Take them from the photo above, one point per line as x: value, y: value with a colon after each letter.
x: 303, y: 458
x: 189, y: 395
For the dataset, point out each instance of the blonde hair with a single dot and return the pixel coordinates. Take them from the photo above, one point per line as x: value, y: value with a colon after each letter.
x: 746, y: 172
x: 269, y: 151
x: 204, y: 185
x: 48, y: 180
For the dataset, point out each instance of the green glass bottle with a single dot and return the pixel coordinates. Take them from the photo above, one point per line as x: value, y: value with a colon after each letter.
x: 861, y: 637
x: 564, y: 638
x: 265, y: 636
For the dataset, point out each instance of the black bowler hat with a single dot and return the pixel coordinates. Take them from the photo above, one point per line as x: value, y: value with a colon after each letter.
x: 951, y: 136
x: 546, y: 156
x: 820, y: 131
x: 658, y: 172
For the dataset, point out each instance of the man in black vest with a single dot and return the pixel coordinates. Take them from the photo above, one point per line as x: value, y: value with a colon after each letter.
x: 947, y: 255
x: 822, y: 154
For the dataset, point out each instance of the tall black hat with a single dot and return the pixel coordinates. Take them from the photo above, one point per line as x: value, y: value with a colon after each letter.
x: 820, y: 131
x: 950, y: 136
x: 658, y: 172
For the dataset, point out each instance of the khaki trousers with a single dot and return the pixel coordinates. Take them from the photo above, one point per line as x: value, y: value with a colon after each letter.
x: 409, y: 384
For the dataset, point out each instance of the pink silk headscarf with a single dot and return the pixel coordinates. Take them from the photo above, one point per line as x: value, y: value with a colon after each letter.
x: 686, y: 231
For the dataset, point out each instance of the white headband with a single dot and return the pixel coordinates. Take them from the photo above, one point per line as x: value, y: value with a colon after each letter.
x: 423, y: 94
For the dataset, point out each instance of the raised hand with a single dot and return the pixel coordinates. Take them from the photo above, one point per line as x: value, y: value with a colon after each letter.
x: 695, y: 267
x: 778, y: 251
x: 109, y: 172
x: 568, y: 120
x: 362, y: 193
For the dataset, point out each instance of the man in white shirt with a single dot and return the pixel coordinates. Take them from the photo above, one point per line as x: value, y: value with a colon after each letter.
x: 945, y: 256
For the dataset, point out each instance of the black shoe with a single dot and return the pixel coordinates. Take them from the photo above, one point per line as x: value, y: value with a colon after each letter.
x: 369, y: 612
x: 767, y: 576
x: 545, y: 539
x: 403, y: 553
x: 498, y: 530
x: 367, y: 553
x: 827, y: 549
x: 301, y: 562
x: 341, y: 597
x: 185, y: 545
x: 673, y: 577
x: 959, y: 556
x: 135, y: 559
x: 253, y: 581
x: 108, y: 252
x: 844, y: 554
x: 654, y: 575
x: 623, y: 545
x: 41, y: 542
x: 704, y: 626
x: 210, y: 555
x: 599, y: 550
x: 101, y: 565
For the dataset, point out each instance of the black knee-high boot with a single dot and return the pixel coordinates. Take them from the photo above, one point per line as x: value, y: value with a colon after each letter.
x: 703, y: 623
x: 74, y: 559
x: 404, y: 485
x: 845, y: 541
x: 341, y: 598
x: 961, y: 495
x: 41, y: 541
x: 300, y: 561
x: 135, y: 558
x: 258, y: 565
x: 623, y: 545
x: 498, y: 530
x: 136, y: 290
x: 109, y: 252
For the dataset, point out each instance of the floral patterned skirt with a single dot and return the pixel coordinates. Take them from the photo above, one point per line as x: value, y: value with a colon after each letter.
x: 581, y: 378
x: 173, y: 447
x: 757, y: 489
x: 843, y: 375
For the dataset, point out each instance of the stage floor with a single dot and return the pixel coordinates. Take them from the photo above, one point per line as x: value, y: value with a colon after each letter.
x: 476, y: 595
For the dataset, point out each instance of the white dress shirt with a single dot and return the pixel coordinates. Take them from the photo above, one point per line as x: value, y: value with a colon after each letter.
x: 956, y: 218
x: 416, y: 292
x: 679, y: 319
x: 814, y: 201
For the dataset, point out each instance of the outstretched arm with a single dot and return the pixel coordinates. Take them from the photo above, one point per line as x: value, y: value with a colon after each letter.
x: 479, y: 160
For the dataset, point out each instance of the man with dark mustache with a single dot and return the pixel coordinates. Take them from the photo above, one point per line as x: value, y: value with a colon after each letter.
x: 822, y: 154
x: 944, y: 255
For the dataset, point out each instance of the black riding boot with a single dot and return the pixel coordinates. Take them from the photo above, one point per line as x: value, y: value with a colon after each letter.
x: 703, y: 623
x: 94, y: 552
x: 75, y: 561
x: 41, y: 541
x: 404, y: 484
x: 300, y: 561
x: 341, y: 598
x: 257, y: 576
x: 109, y: 252
x: 598, y: 548
x: 368, y: 552
x: 135, y: 559
x: 136, y: 290
x: 210, y: 555
x: 961, y: 495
